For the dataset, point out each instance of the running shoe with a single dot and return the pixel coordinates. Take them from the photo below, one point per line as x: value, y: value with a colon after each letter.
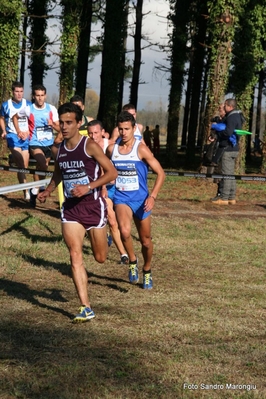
x: 133, y: 272
x: 85, y: 314
x: 109, y: 240
x: 147, y: 281
x: 26, y: 195
x: 124, y: 259
x: 33, y: 198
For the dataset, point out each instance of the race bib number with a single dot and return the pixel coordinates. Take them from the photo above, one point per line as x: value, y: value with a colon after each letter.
x: 73, y: 177
x: 44, y: 133
x: 127, y: 180
x: 22, y: 123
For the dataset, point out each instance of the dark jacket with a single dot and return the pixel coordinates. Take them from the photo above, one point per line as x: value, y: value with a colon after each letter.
x: 233, y: 120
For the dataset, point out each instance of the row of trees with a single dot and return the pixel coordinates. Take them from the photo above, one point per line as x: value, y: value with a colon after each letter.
x: 214, y: 48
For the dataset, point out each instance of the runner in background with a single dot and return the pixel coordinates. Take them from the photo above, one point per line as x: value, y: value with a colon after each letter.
x: 95, y: 132
x: 18, y: 143
x: 139, y: 128
x: 42, y: 119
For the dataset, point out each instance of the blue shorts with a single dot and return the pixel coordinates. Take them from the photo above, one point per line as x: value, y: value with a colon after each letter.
x: 13, y: 141
x: 137, y: 208
x: 111, y: 191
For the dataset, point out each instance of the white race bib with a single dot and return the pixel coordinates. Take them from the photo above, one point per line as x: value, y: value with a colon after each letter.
x: 44, y: 133
x: 127, y: 180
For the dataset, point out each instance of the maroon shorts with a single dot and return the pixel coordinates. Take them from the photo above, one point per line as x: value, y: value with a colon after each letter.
x: 87, y: 211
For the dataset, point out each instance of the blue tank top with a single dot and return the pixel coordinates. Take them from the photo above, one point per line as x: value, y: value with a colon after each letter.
x: 9, y: 109
x: 131, y: 183
x: 41, y: 134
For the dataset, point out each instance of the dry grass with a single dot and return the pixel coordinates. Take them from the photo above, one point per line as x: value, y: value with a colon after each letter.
x: 203, y: 323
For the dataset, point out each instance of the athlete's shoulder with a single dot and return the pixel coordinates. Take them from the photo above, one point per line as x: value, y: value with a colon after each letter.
x: 143, y: 150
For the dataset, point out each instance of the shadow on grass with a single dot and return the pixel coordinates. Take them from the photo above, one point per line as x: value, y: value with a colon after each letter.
x: 77, y: 363
x: 109, y: 285
x: 65, y: 270
x: 23, y: 292
x: 18, y: 227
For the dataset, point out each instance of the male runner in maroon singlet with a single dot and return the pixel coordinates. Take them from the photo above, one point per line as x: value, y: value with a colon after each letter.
x: 79, y: 164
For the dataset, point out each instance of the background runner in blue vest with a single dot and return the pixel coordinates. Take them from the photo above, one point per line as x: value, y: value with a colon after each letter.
x: 42, y: 119
x: 18, y: 143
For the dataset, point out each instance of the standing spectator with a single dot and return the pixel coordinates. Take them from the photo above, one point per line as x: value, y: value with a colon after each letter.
x: 132, y: 200
x: 79, y: 165
x: 228, y: 139
x: 147, y: 137
x: 17, y: 142
x: 42, y: 119
x: 156, y: 140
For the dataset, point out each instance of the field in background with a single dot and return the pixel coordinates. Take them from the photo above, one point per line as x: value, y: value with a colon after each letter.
x: 203, y: 324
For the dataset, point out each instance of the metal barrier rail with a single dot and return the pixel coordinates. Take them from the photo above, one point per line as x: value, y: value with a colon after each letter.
x: 167, y: 172
x: 23, y: 186
x: 26, y: 171
x: 216, y: 176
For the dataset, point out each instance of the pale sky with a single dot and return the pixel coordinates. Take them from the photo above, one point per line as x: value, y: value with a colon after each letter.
x: 155, y: 27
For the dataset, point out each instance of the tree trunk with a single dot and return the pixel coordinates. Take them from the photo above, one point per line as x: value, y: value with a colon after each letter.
x: 249, y: 55
x: 23, y: 46
x: 220, y: 30
x: 137, y: 60
x: 123, y: 56
x: 83, y: 48
x: 112, y: 69
x: 69, y: 45
x: 38, y: 40
x: 198, y: 68
x: 179, y: 17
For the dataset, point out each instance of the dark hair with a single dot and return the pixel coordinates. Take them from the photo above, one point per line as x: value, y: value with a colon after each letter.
x: 16, y: 84
x: 95, y: 122
x: 125, y: 116
x: 231, y: 102
x: 71, y: 108
x: 126, y: 107
x: 38, y: 87
x: 76, y: 98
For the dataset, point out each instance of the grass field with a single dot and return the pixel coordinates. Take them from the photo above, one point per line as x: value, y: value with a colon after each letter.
x: 200, y: 333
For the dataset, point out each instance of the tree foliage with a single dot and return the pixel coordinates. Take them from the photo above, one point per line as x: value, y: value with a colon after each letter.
x: 249, y: 56
x: 10, y: 19
x: 217, y: 49
x: 69, y: 45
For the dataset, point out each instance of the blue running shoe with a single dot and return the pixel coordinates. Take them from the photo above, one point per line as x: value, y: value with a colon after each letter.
x: 133, y: 272
x: 85, y: 314
x: 109, y: 240
x: 147, y: 281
